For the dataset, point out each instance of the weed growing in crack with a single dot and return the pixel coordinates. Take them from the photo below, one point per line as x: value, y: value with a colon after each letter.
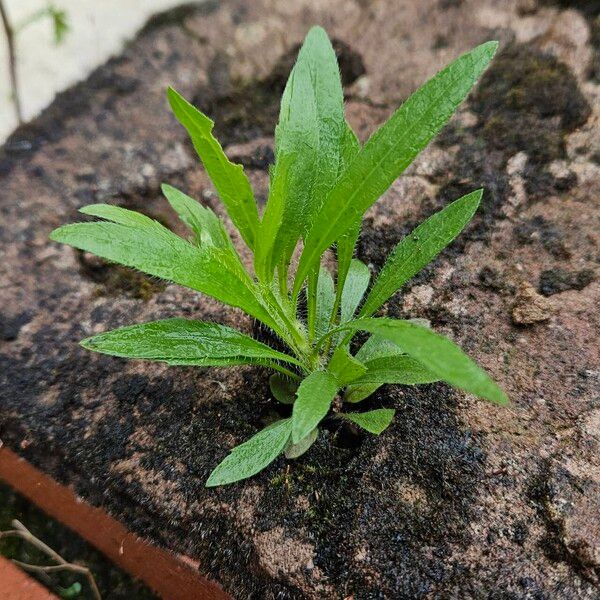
x: 322, y: 183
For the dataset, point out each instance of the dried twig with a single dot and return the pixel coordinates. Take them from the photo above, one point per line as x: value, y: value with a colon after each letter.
x: 22, y: 532
x: 12, y: 61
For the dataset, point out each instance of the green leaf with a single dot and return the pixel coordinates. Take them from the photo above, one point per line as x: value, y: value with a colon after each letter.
x: 374, y: 421
x: 389, y: 151
x: 264, y: 254
x: 378, y: 347
x: 116, y: 214
x: 345, y: 367
x: 296, y: 450
x: 325, y: 299
x: 314, y: 398
x: 395, y: 369
x: 355, y: 287
x: 374, y: 348
x: 204, y: 224
x: 307, y: 142
x: 252, y: 456
x: 283, y: 388
x: 183, y: 342
x: 345, y: 245
x: 60, y: 24
x: 144, y: 244
x: 436, y: 353
x: 419, y: 248
x: 228, y: 178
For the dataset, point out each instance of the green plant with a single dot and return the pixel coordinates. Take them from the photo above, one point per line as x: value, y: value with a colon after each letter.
x: 322, y: 183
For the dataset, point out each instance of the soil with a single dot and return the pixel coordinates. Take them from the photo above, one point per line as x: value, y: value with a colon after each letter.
x: 458, y: 498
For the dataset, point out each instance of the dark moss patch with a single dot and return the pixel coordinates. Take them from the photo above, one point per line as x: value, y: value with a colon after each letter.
x: 112, y: 582
x: 10, y: 326
x: 527, y: 101
x: 539, y: 230
x: 595, y: 42
x: 541, y: 183
x: 116, y: 280
x: 174, y: 427
x: 589, y: 8
x: 178, y: 14
x: 244, y: 112
x: 554, y: 281
x: 548, y: 489
x: 418, y: 497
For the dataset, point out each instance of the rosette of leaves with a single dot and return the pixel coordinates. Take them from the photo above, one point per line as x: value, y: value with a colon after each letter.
x: 321, y: 184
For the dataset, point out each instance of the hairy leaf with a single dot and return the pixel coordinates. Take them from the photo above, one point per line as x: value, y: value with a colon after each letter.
x: 314, y: 398
x: 205, y: 225
x: 374, y: 421
x: 228, y: 178
x: 252, y: 456
x: 395, y: 369
x: 374, y: 348
x: 325, y: 299
x: 182, y: 341
x: 437, y: 354
x: 345, y: 367
x: 283, y: 388
x: 155, y: 250
x: 355, y: 287
x: 265, y: 256
x: 345, y: 244
x: 419, y: 248
x: 307, y: 141
x: 116, y: 214
x: 296, y: 450
x: 389, y: 151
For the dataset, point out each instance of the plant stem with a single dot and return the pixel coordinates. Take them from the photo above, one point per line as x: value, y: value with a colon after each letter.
x: 297, y: 341
x: 12, y: 62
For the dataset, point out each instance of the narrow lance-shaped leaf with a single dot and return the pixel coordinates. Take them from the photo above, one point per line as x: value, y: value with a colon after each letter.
x: 345, y: 245
x: 345, y: 367
x: 252, y: 456
x: 395, y: 369
x: 355, y: 287
x: 325, y: 297
x: 314, y: 398
x: 374, y: 348
x: 228, y: 178
x: 419, y: 248
x: 144, y: 244
x: 436, y: 353
x: 297, y: 450
x: 264, y: 254
x: 389, y: 151
x: 206, y: 226
x: 183, y: 342
x: 374, y: 421
x: 120, y: 215
x: 310, y: 129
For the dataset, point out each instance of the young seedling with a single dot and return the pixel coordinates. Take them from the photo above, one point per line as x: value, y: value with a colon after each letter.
x: 321, y: 184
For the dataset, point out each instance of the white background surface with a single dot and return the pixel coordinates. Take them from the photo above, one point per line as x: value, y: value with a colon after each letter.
x: 98, y: 29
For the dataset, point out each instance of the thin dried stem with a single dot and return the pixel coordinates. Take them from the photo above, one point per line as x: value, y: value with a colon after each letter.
x: 63, y: 565
x: 12, y: 62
